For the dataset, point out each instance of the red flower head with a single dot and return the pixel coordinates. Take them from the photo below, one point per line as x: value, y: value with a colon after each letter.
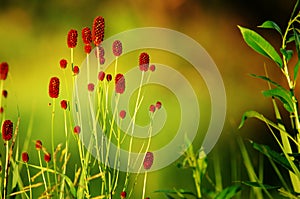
x: 87, y: 48
x: 120, y: 83
x: 3, y: 70
x: 98, y: 30
x: 91, y: 87
x: 4, y: 93
x: 86, y: 35
x: 122, y: 114
x: 7, y: 130
x: 101, y: 75
x: 144, y: 61
x: 64, y: 104
x: 38, y: 145
x: 72, y: 38
x: 158, y: 105
x: 63, y: 63
x: 152, y: 68
x: 47, y: 157
x: 152, y: 108
x: 54, y: 87
x: 123, y: 194
x: 25, y: 157
x: 99, y: 52
x: 77, y: 129
x: 1, y: 109
x: 148, y: 161
x: 102, y: 60
x: 108, y: 77
x: 117, y: 48
x: 76, y: 70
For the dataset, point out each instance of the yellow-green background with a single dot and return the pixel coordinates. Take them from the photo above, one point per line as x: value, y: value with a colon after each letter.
x: 33, y: 40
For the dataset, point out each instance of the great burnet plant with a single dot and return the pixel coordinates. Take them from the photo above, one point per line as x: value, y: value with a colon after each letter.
x: 288, y: 140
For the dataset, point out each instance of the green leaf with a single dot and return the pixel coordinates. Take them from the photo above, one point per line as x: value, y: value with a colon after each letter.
x: 296, y: 69
x: 288, y: 54
x: 256, y: 184
x: 179, y: 192
x: 271, y: 25
x: 283, y: 95
x: 267, y: 79
x: 277, y: 157
x: 229, y: 192
x: 254, y: 114
x: 290, y: 39
x: 260, y: 45
x: 297, y: 41
x: 288, y: 194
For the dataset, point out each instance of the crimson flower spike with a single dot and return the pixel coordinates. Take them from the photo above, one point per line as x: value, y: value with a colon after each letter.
x: 144, y: 61
x: 3, y: 70
x: 47, y: 157
x: 117, y: 48
x: 72, y: 38
x: 38, y: 145
x: 98, y: 30
x: 54, y: 87
x: 7, y: 130
x: 148, y: 161
x: 120, y: 83
x: 25, y: 157
x: 86, y: 35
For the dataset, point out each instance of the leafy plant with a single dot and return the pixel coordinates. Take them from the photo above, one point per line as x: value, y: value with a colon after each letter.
x: 288, y: 141
x: 197, y: 163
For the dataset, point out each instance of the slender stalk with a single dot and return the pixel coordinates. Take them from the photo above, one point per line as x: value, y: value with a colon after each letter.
x: 48, y: 176
x: 52, y: 141
x: 43, y: 175
x: 29, y: 181
x: 218, y: 175
x: 116, y: 66
x: 6, y: 170
x: 144, y: 187
x: 72, y: 58
x: 65, y: 156
x: 132, y: 129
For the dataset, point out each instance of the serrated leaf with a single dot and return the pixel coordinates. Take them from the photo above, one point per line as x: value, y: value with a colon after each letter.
x: 256, y: 184
x: 271, y: 25
x: 277, y: 157
x: 288, y: 54
x: 228, y: 192
x: 260, y: 45
x: 283, y: 95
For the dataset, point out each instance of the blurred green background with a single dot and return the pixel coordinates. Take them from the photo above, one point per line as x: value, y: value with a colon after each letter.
x: 33, y: 40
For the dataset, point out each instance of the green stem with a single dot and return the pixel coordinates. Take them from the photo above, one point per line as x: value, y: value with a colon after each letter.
x: 29, y: 181
x: 6, y: 171
x: 144, y: 187
x: 52, y: 141
x: 65, y: 157
x: 43, y: 176
x: 132, y: 129
x: 295, y: 115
